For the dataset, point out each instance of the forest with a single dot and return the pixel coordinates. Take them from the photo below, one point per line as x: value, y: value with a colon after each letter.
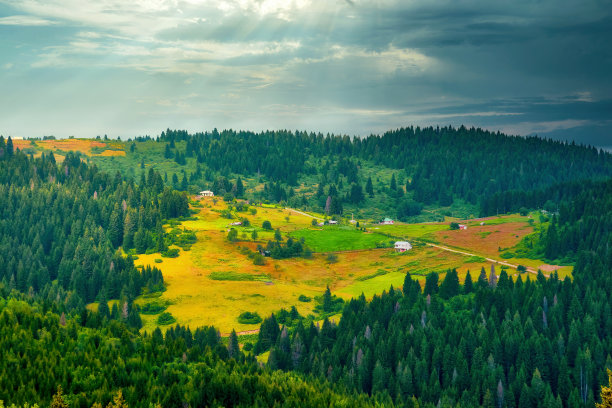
x: 69, y: 233
x: 490, y: 170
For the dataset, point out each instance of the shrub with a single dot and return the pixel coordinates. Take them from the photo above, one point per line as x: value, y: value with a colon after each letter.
x: 454, y: 225
x: 249, y: 318
x: 157, y: 260
x: 165, y: 318
x: 304, y: 298
x: 170, y: 253
x: 258, y: 259
x: 232, y: 235
x: 153, y: 308
x: 332, y: 258
x: 267, y: 225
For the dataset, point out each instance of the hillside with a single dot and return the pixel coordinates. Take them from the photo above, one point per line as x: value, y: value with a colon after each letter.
x: 98, y: 267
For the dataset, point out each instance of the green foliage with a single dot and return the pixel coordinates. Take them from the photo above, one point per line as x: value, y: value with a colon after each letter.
x: 170, y: 253
x: 153, y: 308
x: 232, y: 235
x: 249, y: 318
x: 61, y: 225
x: 454, y: 225
x: 379, y: 272
x: 304, y: 298
x: 331, y: 258
x: 165, y: 318
x: 259, y: 259
x: 237, y: 276
x: 267, y: 225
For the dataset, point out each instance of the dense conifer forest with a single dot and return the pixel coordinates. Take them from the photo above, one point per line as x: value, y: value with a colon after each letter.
x: 480, y: 167
x: 61, y: 226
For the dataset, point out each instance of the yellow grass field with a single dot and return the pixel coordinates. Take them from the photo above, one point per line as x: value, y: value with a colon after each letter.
x: 196, y: 299
x: 84, y: 146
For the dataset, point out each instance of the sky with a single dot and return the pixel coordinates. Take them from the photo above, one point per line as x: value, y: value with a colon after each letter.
x: 127, y: 68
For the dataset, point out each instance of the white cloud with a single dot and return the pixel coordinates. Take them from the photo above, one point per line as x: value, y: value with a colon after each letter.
x: 25, y: 21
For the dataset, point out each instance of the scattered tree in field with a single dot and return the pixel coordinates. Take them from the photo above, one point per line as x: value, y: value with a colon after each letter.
x: 254, y: 235
x: 232, y: 235
x: 267, y: 225
x: 332, y: 258
x: 454, y: 225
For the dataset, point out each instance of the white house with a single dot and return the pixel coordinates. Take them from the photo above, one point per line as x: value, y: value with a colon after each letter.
x: 235, y: 224
x: 402, y: 246
x: 462, y: 226
x: 387, y: 221
x: 207, y: 193
x: 332, y: 222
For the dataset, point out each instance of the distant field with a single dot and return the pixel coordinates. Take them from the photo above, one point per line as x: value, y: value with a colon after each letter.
x: 407, y: 231
x: 333, y: 238
x: 215, y: 282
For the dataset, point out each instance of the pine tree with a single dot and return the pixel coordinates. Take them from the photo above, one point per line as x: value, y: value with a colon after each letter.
x: 239, y: 188
x: 233, y: 349
x: 468, y: 286
x: 369, y: 187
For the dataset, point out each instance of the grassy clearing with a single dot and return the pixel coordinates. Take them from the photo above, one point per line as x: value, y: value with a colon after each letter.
x: 408, y: 231
x: 235, y: 276
x: 340, y: 238
x: 215, y: 282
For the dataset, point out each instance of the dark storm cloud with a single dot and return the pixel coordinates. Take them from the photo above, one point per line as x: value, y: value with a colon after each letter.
x: 348, y: 65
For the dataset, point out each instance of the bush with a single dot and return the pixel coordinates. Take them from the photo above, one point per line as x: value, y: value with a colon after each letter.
x: 170, y: 253
x: 248, y: 346
x: 153, y: 308
x: 165, y: 318
x: 304, y: 298
x: 157, y: 260
x: 258, y: 259
x: 249, y: 318
x: 332, y: 258
x: 267, y: 225
x: 454, y: 225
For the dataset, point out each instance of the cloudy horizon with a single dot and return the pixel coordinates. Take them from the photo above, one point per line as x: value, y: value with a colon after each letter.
x: 87, y: 68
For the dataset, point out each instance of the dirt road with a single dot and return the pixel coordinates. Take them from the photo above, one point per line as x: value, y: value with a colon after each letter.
x: 530, y: 270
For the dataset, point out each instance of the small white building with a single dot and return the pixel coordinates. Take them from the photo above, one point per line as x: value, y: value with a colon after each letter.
x: 206, y: 193
x: 462, y: 226
x: 236, y: 224
x: 387, y: 221
x: 333, y: 222
x: 402, y: 246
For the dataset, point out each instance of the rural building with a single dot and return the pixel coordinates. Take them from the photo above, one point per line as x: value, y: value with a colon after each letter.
x: 237, y: 223
x: 387, y: 221
x: 482, y: 223
x: 402, y: 246
x: 206, y: 193
x: 462, y: 226
x: 332, y: 222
